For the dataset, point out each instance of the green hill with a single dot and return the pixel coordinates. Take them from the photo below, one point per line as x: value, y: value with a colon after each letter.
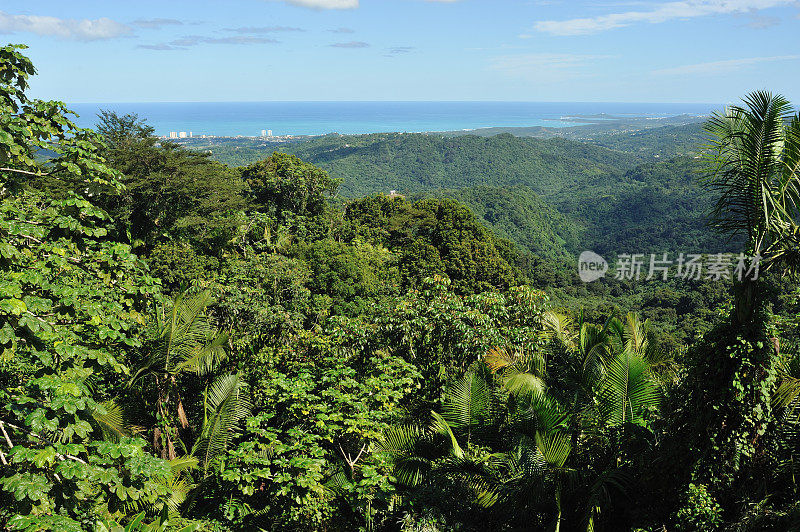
x: 410, y: 163
x: 654, y: 207
x: 662, y: 142
x: 520, y: 215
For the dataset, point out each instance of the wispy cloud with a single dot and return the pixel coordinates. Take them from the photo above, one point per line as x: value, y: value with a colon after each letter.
x: 662, y: 12
x: 159, y: 47
x: 760, y: 22
x: 342, y: 30
x: 194, y: 40
x: 721, y: 67
x: 546, y: 67
x: 324, y: 4
x: 351, y: 44
x: 264, y: 29
x: 401, y: 50
x: 75, y: 29
x: 156, y: 23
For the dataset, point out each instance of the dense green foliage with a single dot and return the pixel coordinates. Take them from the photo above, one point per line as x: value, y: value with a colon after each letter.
x: 520, y: 215
x: 71, y: 305
x: 415, y: 162
x: 661, y: 142
x: 186, y: 346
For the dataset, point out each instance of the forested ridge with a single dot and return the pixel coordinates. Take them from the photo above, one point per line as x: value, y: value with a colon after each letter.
x: 282, y: 345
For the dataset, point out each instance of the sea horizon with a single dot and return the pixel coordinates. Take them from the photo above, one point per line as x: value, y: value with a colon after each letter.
x: 299, y: 118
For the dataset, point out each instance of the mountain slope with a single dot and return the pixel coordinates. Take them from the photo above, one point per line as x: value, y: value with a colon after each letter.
x: 412, y: 163
x: 520, y: 215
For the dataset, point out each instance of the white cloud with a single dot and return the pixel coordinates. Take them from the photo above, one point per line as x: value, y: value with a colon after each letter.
x: 721, y: 67
x: 660, y: 13
x: 325, y: 4
x: 76, y: 29
x: 546, y: 67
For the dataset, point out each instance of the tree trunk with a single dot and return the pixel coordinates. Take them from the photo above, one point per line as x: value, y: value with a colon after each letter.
x: 747, y: 301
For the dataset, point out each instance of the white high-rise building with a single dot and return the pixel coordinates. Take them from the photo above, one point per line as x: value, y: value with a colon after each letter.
x: 190, y: 134
x: 263, y: 132
x: 182, y: 135
x: 173, y: 135
x: 269, y: 132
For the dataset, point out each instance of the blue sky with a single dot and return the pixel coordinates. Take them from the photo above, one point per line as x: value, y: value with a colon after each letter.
x: 548, y: 50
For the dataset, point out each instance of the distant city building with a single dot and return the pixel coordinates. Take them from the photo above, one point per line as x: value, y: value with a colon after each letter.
x: 182, y: 135
x: 263, y: 132
x: 190, y: 134
x: 173, y: 135
x: 269, y: 132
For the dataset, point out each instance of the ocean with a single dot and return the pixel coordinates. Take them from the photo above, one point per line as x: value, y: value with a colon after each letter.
x: 319, y: 118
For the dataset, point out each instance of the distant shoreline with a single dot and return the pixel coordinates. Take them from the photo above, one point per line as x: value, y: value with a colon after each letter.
x: 293, y: 119
x: 581, y: 127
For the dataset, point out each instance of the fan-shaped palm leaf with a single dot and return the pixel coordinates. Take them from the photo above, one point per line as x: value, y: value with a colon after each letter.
x: 559, y: 328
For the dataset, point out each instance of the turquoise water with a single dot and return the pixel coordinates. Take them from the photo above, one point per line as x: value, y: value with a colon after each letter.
x: 318, y: 118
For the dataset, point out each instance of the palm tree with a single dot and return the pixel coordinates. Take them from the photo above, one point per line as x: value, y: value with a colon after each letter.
x: 609, y: 378
x: 181, y: 340
x: 755, y: 169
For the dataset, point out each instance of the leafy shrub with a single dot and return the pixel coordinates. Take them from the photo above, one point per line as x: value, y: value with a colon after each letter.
x: 700, y: 511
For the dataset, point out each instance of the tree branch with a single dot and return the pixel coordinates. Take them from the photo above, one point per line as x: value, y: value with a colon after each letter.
x: 30, y: 433
x: 24, y: 172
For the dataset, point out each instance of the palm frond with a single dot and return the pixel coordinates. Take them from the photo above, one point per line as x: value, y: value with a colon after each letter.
x: 595, y: 347
x: 440, y: 426
x: 204, y: 357
x: 554, y: 447
x: 413, y: 449
x: 523, y: 384
x: 226, y: 405
x: 467, y: 404
x: 182, y: 339
x: 747, y: 169
x: 409, y: 449
x: 112, y: 421
x: 478, y: 476
x: 628, y: 390
x: 541, y: 413
x: 558, y: 327
x: 183, y: 463
x: 602, y: 491
x: 787, y: 395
